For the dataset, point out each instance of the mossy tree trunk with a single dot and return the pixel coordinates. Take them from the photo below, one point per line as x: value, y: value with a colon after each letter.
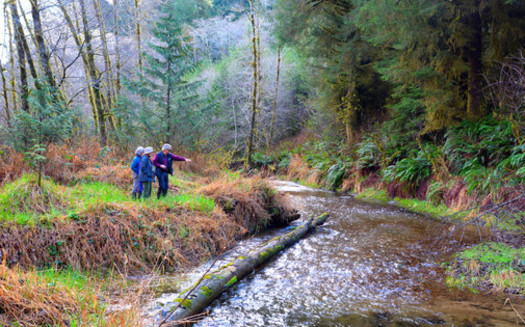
x: 19, y: 39
x: 5, y: 96
x: 251, y: 138
x: 220, y: 280
x: 80, y: 47
x: 475, y: 64
x: 94, y: 76
x: 275, y: 97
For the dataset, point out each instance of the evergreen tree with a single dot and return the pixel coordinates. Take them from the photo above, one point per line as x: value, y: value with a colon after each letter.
x: 325, y: 32
x: 443, y: 48
x: 169, y: 95
x: 47, y: 121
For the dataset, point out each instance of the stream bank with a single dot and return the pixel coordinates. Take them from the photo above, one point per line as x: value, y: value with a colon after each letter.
x: 370, y: 265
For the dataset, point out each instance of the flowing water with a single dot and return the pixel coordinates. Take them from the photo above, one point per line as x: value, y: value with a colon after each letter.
x: 369, y: 265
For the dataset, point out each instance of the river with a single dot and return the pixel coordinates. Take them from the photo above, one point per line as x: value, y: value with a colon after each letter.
x: 370, y: 265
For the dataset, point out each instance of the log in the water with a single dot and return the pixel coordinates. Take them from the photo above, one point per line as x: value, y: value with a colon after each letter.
x: 225, y: 277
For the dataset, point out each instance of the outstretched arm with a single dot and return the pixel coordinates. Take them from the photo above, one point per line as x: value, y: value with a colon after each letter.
x: 178, y: 158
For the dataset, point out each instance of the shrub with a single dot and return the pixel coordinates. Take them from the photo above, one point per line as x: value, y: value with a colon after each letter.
x: 485, y: 143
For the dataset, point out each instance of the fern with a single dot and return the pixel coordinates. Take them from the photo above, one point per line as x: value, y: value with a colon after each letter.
x: 336, y: 174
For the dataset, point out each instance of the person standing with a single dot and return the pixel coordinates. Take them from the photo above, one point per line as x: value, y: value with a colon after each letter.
x: 146, y: 172
x: 163, y: 162
x: 135, y: 168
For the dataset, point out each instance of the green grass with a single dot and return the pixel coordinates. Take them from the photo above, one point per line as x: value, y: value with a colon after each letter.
x: 233, y: 175
x: 73, y: 280
x: 23, y: 203
x: 307, y: 183
x: 496, y: 255
x: 94, y: 193
x: 414, y: 205
x: 490, y: 264
x: 20, y: 201
x: 191, y: 201
x: 371, y: 193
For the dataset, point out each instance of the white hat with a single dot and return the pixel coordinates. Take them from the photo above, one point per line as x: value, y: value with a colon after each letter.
x: 139, y: 151
x: 148, y: 150
x: 166, y: 147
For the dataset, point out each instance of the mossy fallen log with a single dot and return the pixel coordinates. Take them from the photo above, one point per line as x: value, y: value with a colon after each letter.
x: 218, y: 281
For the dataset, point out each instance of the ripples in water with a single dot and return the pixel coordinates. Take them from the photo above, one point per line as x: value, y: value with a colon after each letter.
x: 369, y: 265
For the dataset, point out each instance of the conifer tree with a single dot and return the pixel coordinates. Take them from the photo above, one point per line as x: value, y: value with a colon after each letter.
x: 47, y: 121
x: 443, y: 48
x: 170, y: 96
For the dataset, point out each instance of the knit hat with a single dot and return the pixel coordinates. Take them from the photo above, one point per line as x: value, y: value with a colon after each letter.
x: 148, y: 150
x: 139, y: 151
x: 166, y: 147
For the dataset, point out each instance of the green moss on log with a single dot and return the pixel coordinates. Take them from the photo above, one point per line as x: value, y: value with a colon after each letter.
x: 186, y: 304
x: 207, y: 291
x: 232, y: 281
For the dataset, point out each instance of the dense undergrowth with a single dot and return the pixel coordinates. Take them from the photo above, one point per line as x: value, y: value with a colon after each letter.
x: 473, y: 172
x: 83, y: 229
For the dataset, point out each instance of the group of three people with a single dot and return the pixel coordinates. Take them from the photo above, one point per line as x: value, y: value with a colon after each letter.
x: 145, y: 170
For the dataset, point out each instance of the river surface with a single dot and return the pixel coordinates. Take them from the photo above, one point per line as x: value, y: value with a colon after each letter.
x: 370, y: 265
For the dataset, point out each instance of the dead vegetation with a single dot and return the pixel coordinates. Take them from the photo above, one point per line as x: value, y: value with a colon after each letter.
x: 27, y: 299
x: 30, y: 299
x: 120, y: 235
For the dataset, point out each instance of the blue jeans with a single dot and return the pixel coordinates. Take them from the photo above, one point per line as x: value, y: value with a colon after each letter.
x: 163, y: 178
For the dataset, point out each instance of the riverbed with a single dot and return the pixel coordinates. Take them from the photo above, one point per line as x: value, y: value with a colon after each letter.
x: 371, y: 264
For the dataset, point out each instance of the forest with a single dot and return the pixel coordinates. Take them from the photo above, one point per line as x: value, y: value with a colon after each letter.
x: 417, y: 105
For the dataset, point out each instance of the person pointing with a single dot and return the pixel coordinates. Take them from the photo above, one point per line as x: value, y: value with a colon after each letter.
x: 163, y: 162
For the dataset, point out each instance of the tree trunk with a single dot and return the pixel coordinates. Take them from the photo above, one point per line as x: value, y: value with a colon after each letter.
x: 255, y: 85
x: 14, y: 95
x: 110, y: 95
x: 43, y: 54
x: 220, y: 280
x: 475, y: 65
x: 94, y: 77
x: 18, y: 32
x: 349, y: 115
x: 27, y: 50
x: 168, y: 107
x: 118, y: 65
x: 138, y: 35
x: 6, y: 96
x: 275, y: 95
x: 85, y: 64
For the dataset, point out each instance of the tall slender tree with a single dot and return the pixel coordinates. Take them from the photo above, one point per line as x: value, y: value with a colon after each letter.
x: 20, y: 49
x: 93, y: 75
x: 5, y: 95
x: 255, y: 93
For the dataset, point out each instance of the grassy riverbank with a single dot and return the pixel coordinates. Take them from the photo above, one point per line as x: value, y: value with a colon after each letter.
x: 74, y: 241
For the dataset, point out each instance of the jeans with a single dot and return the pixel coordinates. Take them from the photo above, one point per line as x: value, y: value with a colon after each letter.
x: 137, y: 186
x: 163, y: 178
x: 146, y: 192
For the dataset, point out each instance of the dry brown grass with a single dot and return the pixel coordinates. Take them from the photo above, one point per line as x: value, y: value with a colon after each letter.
x: 251, y: 202
x: 129, y: 239
x: 298, y: 168
x: 63, y: 162
x: 27, y: 298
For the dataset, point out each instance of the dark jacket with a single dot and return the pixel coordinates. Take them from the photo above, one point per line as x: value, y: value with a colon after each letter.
x: 146, y: 170
x: 160, y: 159
x: 135, y: 165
